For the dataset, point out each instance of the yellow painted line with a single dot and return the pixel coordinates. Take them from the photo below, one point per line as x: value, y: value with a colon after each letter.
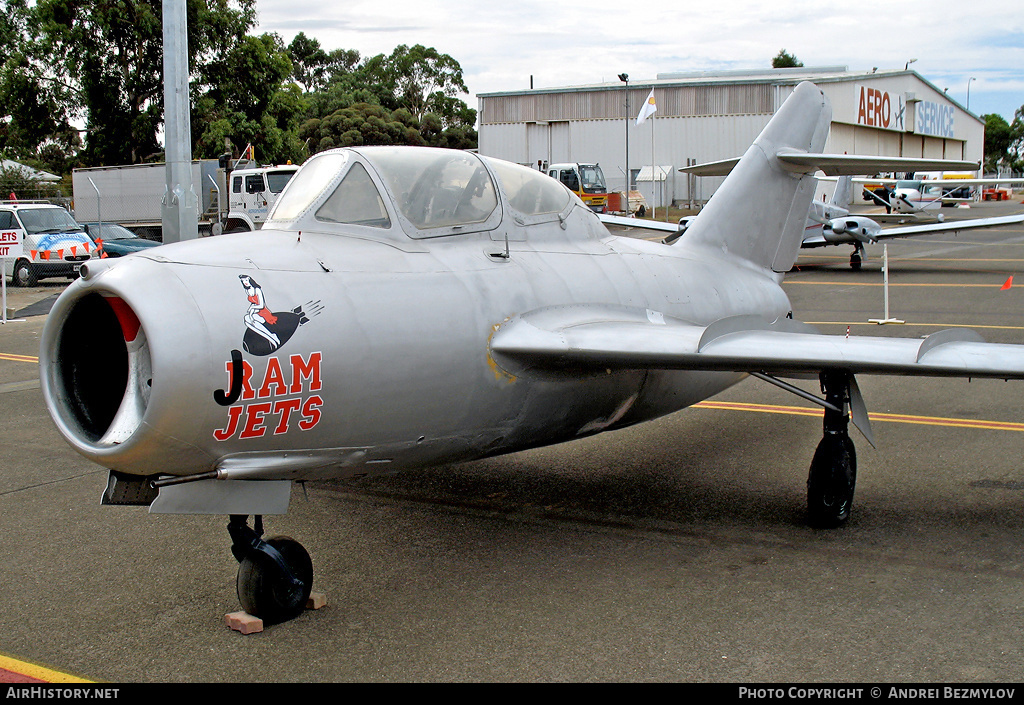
x: 18, y: 358
x: 761, y: 408
x: 910, y: 324
x: 952, y: 259
x: 39, y: 673
x: 919, y: 259
x: 923, y: 284
x: 890, y: 418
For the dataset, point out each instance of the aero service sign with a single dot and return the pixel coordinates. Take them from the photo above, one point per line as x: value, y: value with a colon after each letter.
x: 881, y: 109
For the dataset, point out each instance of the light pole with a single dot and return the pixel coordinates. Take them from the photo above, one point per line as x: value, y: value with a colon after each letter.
x: 972, y: 78
x: 624, y: 77
x: 179, y: 208
x: 907, y: 66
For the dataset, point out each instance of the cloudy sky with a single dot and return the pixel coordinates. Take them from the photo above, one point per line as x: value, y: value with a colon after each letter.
x: 500, y: 45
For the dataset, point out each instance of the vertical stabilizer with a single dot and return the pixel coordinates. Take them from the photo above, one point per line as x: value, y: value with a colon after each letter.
x: 759, y: 212
x: 842, y: 197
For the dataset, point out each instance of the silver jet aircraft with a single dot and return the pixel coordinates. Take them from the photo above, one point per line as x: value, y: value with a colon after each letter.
x: 411, y: 306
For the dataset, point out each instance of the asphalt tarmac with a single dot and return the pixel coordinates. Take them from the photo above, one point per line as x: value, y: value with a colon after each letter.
x: 673, y: 551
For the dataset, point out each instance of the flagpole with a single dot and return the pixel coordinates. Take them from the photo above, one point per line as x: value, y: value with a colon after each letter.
x: 648, y: 111
x: 654, y: 183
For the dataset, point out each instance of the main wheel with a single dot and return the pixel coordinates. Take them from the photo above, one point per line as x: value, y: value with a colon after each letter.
x: 831, y: 481
x: 855, y: 262
x: 24, y: 274
x: 264, y: 591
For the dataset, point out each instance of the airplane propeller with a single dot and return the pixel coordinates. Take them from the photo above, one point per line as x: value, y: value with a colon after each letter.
x: 877, y: 199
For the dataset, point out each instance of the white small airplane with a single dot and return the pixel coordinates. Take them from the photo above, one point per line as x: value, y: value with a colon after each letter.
x: 917, y: 196
x: 833, y: 224
x: 829, y: 223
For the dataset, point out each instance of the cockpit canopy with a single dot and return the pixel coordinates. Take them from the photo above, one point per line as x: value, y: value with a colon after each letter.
x: 426, y: 192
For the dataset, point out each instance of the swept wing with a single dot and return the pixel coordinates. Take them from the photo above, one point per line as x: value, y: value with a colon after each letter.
x: 626, y: 339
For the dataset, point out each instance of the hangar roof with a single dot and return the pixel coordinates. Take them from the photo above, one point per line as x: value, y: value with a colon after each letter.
x: 777, y: 77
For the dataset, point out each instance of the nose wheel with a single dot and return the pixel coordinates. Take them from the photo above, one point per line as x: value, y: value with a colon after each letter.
x: 856, y: 258
x: 275, y: 575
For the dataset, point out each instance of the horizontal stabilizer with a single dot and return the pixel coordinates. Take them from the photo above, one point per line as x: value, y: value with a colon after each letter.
x: 855, y: 164
x: 839, y: 164
x: 719, y: 168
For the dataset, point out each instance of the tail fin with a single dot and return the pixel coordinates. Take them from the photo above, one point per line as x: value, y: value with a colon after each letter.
x: 758, y: 214
x: 843, y: 195
x: 837, y: 207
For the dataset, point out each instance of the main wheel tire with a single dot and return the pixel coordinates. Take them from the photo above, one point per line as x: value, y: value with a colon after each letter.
x: 262, y: 589
x: 831, y: 481
x: 24, y: 274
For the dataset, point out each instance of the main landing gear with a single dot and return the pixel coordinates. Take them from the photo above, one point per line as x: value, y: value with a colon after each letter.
x: 275, y: 576
x: 833, y: 473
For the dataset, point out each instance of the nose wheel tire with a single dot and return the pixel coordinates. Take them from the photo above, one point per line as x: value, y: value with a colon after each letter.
x: 268, y: 592
x: 831, y: 481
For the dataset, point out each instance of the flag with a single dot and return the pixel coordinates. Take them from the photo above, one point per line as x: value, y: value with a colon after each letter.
x: 649, y: 109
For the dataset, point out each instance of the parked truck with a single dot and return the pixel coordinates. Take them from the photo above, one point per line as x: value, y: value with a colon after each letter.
x: 231, y: 195
x: 253, y: 191
x: 131, y: 195
x: 585, y: 180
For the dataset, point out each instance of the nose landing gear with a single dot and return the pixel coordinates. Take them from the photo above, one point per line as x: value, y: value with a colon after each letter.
x: 857, y: 256
x: 275, y: 576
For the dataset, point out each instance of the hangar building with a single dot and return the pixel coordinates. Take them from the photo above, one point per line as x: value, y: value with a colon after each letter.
x: 704, y: 117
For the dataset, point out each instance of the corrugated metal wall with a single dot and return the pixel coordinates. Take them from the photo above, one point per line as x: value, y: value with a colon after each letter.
x: 700, y: 122
x: 609, y: 103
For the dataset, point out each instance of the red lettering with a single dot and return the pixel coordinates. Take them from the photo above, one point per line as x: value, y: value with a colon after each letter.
x: 886, y: 109
x: 311, y: 412
x: 273, y: 378
x: 247, y: 391
x: 285, y: 409
x: 234, y: 413
x: 861, y: 109
x: 254, y: 420
x: 301, y: 369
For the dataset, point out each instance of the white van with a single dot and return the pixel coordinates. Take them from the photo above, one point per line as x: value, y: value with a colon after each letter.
x: 53, y: 243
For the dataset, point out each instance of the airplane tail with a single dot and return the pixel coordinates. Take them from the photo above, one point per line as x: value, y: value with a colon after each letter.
x: 842, y: 197
x: 759, y: 212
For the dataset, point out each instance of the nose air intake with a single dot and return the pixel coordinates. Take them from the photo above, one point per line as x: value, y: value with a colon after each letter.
x: 103, y: 370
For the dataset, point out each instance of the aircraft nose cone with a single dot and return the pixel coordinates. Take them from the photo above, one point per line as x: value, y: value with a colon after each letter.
x: 107, y: 379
